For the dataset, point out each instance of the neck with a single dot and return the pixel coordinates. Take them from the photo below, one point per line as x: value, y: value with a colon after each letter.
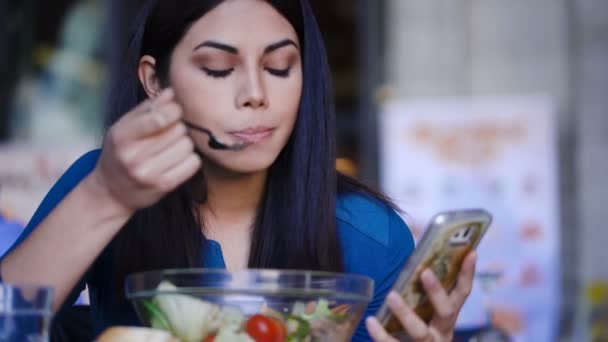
x: 232, y: 199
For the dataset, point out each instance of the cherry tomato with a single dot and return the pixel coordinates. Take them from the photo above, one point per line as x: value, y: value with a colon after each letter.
x: 262, y: 329
x: 281, y: 329
x: 209, y: 338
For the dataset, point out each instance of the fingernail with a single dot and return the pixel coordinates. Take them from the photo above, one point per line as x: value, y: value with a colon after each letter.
x: 394, y: 301
x: 473, y: 257
x: 427, y: 277
x: 370, y: 322
x: 393, y: 296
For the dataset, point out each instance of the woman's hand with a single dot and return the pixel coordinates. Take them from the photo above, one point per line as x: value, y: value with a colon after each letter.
x: 146, y: 154
x: 447, y: 307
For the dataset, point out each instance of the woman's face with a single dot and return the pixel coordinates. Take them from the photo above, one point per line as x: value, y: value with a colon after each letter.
x: 237, y: 72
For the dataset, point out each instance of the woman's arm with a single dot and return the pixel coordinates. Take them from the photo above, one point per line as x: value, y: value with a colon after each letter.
x: 63, y: 246
x: 146, y: 154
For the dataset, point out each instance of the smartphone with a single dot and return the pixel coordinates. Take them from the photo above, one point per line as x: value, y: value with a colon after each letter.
x: 447, y: 240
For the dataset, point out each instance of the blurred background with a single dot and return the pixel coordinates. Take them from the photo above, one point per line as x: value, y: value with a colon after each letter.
x: 443, y: 104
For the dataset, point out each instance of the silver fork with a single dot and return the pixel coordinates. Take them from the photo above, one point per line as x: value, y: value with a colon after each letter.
x: 214, y: 143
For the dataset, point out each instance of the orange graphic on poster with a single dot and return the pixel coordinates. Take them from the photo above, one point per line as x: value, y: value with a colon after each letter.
x: 530, y: 276
x: 531, y: 231
x: 476, y: 142
x: 507, y: 319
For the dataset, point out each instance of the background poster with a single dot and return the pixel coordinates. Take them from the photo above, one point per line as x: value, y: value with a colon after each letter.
x: 499, y: 154
x: 27, y: 172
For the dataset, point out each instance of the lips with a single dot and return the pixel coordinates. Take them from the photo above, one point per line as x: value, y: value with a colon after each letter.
x: 253, y: 135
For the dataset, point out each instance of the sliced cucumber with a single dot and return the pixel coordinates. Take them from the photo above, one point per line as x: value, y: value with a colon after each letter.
x: 297, y: 328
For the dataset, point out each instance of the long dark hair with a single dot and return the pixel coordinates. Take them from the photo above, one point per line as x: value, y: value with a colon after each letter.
x: 295, y: 226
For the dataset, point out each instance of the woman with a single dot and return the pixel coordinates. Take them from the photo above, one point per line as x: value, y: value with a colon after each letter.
x: 157, y: 196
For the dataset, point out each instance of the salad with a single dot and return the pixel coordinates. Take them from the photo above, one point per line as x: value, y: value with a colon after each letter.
x: 194, y: 320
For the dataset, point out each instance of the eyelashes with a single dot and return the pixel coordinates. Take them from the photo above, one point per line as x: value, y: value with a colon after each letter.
x: 223, y: 73
x: 215, y: 73
x: 279, y: 72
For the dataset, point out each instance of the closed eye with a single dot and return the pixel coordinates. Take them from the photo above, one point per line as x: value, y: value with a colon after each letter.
x: 279, y: 72
x: 215, y: 73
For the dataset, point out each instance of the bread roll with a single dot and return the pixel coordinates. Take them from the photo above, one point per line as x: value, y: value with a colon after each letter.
x: 135, y: 334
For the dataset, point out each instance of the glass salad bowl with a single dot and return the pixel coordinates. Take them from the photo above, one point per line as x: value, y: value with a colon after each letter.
x: 204, y: 305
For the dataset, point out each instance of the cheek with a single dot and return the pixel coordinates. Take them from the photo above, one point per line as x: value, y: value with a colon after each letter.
x: 197, y: 93
x: 286, y: 98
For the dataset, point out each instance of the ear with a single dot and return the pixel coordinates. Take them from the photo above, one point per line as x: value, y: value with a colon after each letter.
x: 148, y: 76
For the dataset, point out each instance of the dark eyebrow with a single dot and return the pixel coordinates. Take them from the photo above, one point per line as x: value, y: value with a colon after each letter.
x: 231, y: 49
x: 216, y: 45
x: 285, y: 42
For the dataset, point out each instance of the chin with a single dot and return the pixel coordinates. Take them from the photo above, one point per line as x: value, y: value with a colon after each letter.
x: 244, y: 162
x: 246, y: 168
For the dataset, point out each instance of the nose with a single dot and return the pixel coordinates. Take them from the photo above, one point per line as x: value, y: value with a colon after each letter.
x: 252, y: 93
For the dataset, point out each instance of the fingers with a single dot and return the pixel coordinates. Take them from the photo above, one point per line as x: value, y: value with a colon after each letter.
x: 445, y: 308
x: 147, y: 153
x: 149, y: 118
x: 412, y: 324
x: 377, y: 332
x: 465, y: 280
x: 154, y: 170
x: 157, y: 120
x: 147, y: 106
x: 180, y: 173
x: 154, y: 145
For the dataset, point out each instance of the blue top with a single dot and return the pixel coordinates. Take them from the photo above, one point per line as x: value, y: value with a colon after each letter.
x: 9, y: 232
x: 375, y: 242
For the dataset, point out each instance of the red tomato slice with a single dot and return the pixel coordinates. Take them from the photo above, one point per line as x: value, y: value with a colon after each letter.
x: 262, y: 329
x: 209, y: 338
x: 281, y: 330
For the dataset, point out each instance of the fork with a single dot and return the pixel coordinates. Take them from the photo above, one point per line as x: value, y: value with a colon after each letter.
x: 214, y: 143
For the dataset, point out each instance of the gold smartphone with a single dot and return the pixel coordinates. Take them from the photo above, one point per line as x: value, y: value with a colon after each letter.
x: 447, y: 240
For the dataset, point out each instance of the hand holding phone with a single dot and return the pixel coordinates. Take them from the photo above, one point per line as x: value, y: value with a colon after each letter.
x: 448, y: 239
